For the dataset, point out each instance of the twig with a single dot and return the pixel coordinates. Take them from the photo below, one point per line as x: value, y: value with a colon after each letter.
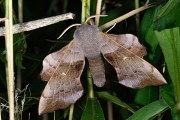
x: 123, y: 17
x: 27, y: 26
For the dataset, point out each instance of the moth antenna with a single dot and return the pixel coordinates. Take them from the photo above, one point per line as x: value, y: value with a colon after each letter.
x: 68, y: 29
x: 111, y: 28
x: 94, y: 16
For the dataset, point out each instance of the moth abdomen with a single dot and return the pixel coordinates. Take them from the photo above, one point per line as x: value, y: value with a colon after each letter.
x: 96, y: 66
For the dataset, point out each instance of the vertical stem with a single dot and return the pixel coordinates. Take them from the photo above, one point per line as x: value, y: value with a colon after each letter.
x: 88, y: 3
x: 0, y: 111
x: 65, y: 6
x: 137, y: 18
x: 110, y: 110
x: 45, y: 116
x: 98, y: 11
x: 9, y: 56
x: 71, y: 112
x: 18, y: 82
x: 85, y: 9
x: 20, y: 18
x: 90, y: 84
x: 109, y: 104
x: 83, y: 13
x: 20, y: 10
x: 89, y: 77
x: 54, y: 115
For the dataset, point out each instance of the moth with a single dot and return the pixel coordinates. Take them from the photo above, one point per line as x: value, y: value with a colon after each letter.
x: 62, y: 69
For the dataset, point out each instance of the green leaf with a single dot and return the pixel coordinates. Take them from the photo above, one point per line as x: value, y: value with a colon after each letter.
x: 149, y: 111
x: 151, y: 94
x: 115, y: 100
x: 168, y: 95
x: 170, y: 5
x: 151, y: 40
x: 171, y: 18
x: 147, y: 33
x: 18, y: 60
x: 169, y: 41
x: 147, y: 22
x: 93, y: 110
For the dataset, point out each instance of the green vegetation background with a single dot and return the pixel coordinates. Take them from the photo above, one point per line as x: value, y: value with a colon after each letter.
x: 159, y: 32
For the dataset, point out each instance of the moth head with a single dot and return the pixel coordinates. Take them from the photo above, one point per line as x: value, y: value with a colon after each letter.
x: 84, y: 25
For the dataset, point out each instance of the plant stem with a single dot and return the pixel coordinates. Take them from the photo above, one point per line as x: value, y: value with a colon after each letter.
x: 88, y: 3
x: 20, y: 18
x: 85, y: 9
x: 98, y: 11
x: 9, y: 56
x: 89, y: 77
x: 90, y: 84
x: 0, y: 111
x: 83, y: 12
x: 65, y: 6
x: 71, y: 112
x: 20, y: 10
x: 137, y: 18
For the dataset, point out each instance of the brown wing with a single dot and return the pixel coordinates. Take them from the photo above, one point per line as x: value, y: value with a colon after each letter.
x: 130, y: 42
x: 62, y: 69
x: 132, y: 70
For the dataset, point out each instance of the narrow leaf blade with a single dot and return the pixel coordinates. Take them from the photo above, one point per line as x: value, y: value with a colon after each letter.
x: 170, y: 5
x: 115, y: 100
x: 150, y: 111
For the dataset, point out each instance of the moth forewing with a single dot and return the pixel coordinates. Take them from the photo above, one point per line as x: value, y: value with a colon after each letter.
x: 64, y: 87
x: 50, y: 63
x: 131, y: 69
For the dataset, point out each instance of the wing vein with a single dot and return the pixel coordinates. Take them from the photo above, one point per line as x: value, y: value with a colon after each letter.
x: 128, y: 51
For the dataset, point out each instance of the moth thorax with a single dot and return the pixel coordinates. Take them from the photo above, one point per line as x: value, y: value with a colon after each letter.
x: 86, y: 31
